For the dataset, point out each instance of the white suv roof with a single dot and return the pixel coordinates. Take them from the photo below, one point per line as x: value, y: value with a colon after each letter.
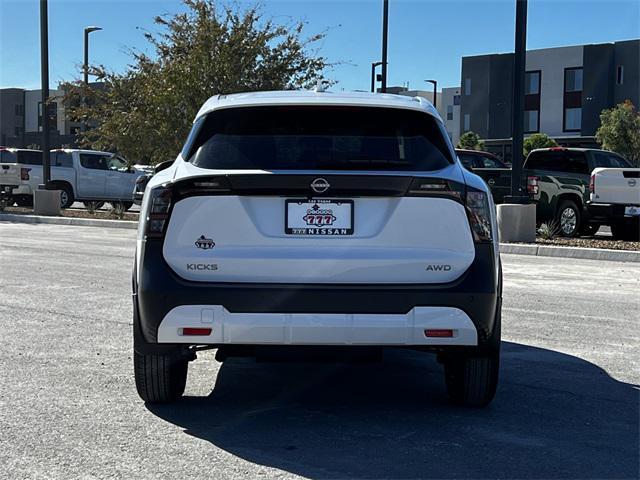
x: 298, y: 97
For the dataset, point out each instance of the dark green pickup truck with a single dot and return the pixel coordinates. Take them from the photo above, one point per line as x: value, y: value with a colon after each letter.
x: 557, y: 181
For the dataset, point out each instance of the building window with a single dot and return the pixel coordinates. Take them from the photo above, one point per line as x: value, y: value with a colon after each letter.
x: 572, y: 119
x: 449, y: 112
x: 532, y: 83
x: 531, y: 118
x: 467, y: 86
x: 456, y: 99
x: 620, y: 75
x: 467, y: 122
x: 573, y: 80
x: 18, y: 131
x: 19, y: 110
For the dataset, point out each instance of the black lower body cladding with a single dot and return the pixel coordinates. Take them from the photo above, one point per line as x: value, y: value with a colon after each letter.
x: 160, y: 290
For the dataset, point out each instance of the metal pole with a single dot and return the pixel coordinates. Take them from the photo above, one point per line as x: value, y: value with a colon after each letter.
x: 385, y: 31
x: 435, y: 94
x: 85, y: 71
x: 519, y: 65
x: 44, y: 71
x: 373, y: 77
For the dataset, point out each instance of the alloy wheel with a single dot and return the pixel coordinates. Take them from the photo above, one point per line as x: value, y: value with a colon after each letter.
x: 568, y: 221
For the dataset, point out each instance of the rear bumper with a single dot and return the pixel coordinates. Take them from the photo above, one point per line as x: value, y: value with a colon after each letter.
x: 249, y: 313
x: 606, y: 212
x: 217, y: 326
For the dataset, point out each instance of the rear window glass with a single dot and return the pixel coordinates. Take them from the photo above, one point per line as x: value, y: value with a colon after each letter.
x: 566, y: 161
x: 24, y: 157
x: 27, y: 157
x: 608, y: 160
x: 8, y: 157
x: 319, y: 138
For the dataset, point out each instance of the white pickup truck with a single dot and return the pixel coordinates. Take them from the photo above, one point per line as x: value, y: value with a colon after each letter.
x: 81, y: 175
x: 615, y: 196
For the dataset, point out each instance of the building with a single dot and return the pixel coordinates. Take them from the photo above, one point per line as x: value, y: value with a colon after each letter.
x: 21, y: 118
x: 566, y: 88
x: 449, y: 108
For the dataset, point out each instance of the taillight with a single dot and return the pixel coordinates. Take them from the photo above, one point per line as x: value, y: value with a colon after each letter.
x: 479, y: 215
x: 159, y: 208
x: 436, y: 187
x: 532, y: 185
x: 24, y: 173
x: 592, y: 183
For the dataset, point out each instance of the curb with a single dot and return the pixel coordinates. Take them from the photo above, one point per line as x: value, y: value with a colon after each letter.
x: 571, y: 252
x: 507, y: 248
x: 84, y: 222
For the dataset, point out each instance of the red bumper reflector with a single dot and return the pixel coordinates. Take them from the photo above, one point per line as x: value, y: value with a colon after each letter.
x: 439, y: 333
x: 196, y: 331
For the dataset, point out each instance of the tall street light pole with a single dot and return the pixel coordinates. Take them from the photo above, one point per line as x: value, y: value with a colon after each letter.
x: 385, y: 34
x: 517, y: 127
x: 44, y: 88
x: 373, y: 75
x: 85, y: 67
x: 435, y: 92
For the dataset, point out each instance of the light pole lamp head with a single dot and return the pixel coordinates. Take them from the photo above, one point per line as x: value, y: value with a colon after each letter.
x: 91, y: 29
x: 434, y: 82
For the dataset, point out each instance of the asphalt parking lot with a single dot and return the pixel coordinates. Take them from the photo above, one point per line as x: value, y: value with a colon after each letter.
x: 567, y: 405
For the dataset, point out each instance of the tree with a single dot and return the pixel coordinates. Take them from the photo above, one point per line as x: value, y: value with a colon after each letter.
x: 537, y: 140
x: 146, y: 112
x: 620, y: 131
x: 470, y: 141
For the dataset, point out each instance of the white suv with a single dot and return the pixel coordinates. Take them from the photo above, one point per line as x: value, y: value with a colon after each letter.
x: 317, y: 219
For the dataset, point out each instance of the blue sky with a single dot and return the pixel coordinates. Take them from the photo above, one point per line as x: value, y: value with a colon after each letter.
x: 427, y: 38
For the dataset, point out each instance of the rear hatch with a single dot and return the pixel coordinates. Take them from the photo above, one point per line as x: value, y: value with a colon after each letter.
x: 616, y: 186
x: 288, y: 195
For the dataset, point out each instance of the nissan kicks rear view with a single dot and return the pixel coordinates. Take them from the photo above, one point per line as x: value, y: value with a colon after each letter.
x: 312, y: 219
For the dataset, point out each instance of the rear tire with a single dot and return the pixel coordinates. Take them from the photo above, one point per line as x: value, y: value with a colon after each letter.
x: 472, y: 381
x: 568, y: 219
x: 629, y: 231
x: 160, y: 378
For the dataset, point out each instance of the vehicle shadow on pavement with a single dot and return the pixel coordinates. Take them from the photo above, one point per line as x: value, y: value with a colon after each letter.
x: 555, y: 416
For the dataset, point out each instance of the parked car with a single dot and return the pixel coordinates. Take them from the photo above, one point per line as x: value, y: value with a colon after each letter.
x: 490, y: 168
x: 558, y: 181
x: 142, y: 181
x: 81, y: 175
x: 615, y: 199
x: 308, y: 219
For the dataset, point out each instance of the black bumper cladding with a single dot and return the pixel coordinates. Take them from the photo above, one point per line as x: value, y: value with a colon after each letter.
x: 160, y: 290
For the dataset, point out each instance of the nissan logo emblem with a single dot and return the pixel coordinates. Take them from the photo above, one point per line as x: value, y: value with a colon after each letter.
x: 320, y: 185
x: 632, y: 182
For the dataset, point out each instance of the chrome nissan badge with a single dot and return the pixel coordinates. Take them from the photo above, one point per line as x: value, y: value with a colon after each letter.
x: 320, y: 185
x: 632, y: 182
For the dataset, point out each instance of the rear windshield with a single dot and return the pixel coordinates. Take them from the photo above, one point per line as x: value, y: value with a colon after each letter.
x: 608, y: 160
x: 24, y: 157
x: 566, y: 161
x: 318, y: 138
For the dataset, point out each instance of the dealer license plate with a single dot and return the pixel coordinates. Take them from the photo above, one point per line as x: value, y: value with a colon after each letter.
x: 319, y: 217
